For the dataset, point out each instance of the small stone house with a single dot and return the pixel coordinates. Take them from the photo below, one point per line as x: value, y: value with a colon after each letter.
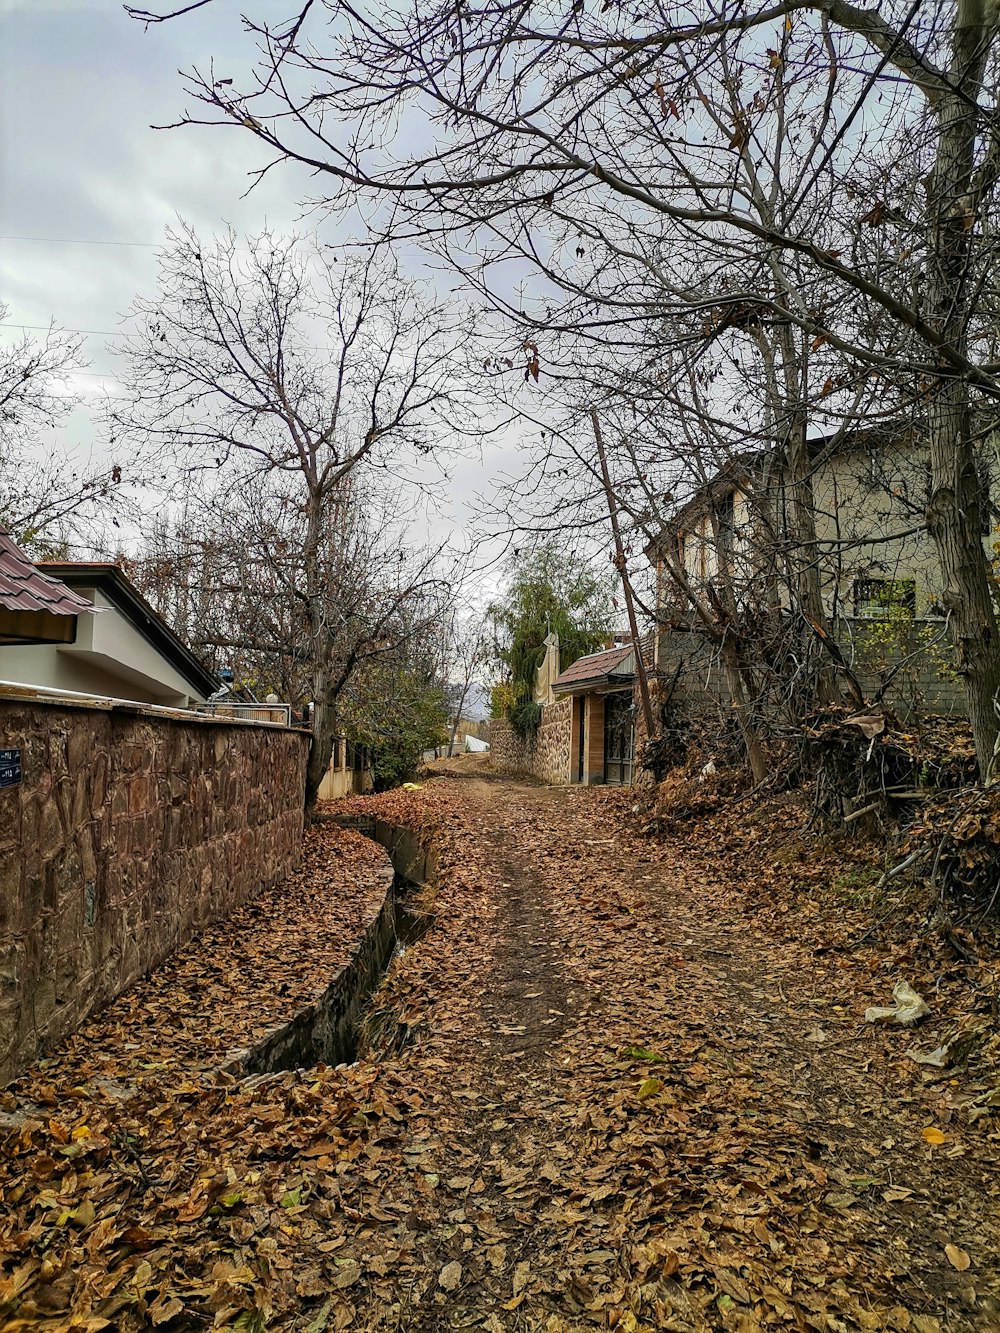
x: 600, y: 689
x: 587, y: 731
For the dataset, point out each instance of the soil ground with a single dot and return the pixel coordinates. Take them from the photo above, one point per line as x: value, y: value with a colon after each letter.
x: 610, y: 1098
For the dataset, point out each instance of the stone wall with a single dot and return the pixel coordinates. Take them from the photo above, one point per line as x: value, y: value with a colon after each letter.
x: 131, y: 828
x: 925, y: 682
x: 547, y: 757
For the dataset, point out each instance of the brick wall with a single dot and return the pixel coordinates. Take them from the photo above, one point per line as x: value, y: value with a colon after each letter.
x: 547, y: 757
x: 131, y: 828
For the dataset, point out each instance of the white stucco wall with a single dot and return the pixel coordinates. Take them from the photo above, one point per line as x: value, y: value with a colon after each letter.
x: 109, y: 657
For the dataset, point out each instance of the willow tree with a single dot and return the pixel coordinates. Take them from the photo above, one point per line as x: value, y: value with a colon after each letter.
x: 549, y: 590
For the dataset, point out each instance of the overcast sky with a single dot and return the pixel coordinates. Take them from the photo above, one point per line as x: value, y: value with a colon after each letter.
x: 88, y: 187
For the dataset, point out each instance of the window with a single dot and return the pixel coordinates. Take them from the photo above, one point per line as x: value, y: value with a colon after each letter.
x: 878, y: 598
x: 725, y: 509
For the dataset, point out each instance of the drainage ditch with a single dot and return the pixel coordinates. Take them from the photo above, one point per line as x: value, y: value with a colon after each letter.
x: 329, y: 1030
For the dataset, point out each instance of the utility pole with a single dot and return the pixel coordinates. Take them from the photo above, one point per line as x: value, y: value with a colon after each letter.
x: 640, y: 666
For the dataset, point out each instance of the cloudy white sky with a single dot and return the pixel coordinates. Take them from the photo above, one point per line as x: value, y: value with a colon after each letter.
x: 88, y: 186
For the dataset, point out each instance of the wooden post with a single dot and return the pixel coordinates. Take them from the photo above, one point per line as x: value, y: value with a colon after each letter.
x: 640, y: 666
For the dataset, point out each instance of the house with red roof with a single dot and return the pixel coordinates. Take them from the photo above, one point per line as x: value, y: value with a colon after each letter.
x: 600, y: 688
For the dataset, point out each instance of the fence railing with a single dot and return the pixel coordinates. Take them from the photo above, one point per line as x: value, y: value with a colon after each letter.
x: 245, y: 712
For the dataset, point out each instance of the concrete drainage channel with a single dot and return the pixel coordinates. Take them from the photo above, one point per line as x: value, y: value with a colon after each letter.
x: 327, y: 1031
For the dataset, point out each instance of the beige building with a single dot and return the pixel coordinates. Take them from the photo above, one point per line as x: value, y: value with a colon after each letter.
x: 878, y: 571
x: 349, y: 773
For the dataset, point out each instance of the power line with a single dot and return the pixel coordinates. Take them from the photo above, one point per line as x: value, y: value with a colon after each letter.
x: 80, y: 240
x: 59, y: 328
x: 117, y: 333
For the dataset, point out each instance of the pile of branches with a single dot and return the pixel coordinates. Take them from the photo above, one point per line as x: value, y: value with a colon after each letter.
x: 954, y: 843
x: 868, y: 767
x: 690, y: 792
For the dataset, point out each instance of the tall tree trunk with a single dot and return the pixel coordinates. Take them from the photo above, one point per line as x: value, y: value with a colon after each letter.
x: 953, y: 515
x: 732, y: 664
x: 324, y: 712
x: 321, y: 747
x: 800, y: 503
x: 457, y: 719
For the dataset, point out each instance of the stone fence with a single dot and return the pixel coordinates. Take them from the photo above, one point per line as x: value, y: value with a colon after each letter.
x: 546, y: 757
x: 123, y: 830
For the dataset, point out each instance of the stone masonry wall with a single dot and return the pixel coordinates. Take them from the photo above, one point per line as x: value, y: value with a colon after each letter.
x: 924, y: 685
x: 131, y: 829
x: 548, y: 757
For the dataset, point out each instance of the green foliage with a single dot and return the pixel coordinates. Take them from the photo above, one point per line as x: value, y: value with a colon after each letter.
x: 397, y: 714
x: 857, y: 886
x: 503, y: 697
x: 893, y: 643
x: 549, y: 590
x: 525, y: 717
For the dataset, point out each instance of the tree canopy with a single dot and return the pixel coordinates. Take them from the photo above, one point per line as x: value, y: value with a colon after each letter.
x: 551, y: 590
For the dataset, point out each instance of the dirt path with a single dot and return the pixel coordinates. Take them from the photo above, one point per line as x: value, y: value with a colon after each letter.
x: 688, y: 1127
x: 620, y: 1107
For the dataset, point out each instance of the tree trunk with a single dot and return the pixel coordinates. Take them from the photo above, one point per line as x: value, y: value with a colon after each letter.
x: 458, y: 718
x: 756, y: 758
x: 321, y: 746
x: 954, y: 512
x: 324, y: 712
x: 800, y: 505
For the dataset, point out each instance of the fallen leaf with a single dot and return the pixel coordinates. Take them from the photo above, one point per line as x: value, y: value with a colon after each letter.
x: 348, y: 1272
x: 450, y: 1276
x: 165, y: 1309
x: 958, y: 1258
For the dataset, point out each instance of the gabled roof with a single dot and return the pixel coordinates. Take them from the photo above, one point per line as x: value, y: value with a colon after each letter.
x: 737, y: 473
x: 601, y: 668
x: 35, y: 607
x: 128, y: 600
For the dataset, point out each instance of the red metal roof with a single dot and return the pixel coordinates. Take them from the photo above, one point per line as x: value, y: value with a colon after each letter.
x: 592, y: 667
x: 23, y: 587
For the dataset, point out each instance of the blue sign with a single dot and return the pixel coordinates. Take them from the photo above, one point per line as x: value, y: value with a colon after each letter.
x: 10, y: 768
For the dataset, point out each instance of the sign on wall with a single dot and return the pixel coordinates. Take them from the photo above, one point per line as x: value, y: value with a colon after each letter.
x: 10, y: 768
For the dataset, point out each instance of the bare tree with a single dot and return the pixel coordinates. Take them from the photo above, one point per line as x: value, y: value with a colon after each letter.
x: 591, y: 133
x: 40, y: 486
x: 302, y: 376
x: 233, y: 573
x: 468, y: 653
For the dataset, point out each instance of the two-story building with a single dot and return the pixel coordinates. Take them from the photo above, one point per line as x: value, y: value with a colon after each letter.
x: 730, y: 562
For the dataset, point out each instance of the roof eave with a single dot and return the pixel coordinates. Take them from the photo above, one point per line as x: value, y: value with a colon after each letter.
x: 143, y: 618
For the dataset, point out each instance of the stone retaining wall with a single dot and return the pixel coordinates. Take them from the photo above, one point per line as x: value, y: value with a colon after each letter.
x: 130, y: 829
x: 547, y: 757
